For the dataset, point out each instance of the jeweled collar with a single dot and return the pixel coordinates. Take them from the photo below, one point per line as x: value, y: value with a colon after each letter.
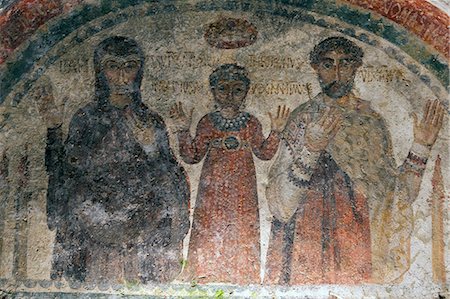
x: 229, y: 124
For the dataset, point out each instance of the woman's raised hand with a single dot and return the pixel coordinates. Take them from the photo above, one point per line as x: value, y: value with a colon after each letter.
x: 182, y: 121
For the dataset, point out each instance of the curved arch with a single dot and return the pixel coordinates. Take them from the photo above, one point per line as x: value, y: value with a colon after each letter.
x: 58, y: 29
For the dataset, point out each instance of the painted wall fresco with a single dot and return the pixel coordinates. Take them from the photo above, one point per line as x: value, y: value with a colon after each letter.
x: 216, y: 148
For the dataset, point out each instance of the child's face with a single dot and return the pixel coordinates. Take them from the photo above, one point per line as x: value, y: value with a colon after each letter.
x: 230, y: 94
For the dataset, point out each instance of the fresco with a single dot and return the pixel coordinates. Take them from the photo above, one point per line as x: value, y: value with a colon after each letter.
x: 227, y: 183
x: 116, y: 196
x: 216, y: 148
x: 336, y: 147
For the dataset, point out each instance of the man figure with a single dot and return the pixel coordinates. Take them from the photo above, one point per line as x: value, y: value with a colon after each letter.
x: 117, y: 197
x: 341, y: 207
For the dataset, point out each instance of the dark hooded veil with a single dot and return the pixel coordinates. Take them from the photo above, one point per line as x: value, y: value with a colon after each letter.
x: 108, y: 195
x: 121, y: 47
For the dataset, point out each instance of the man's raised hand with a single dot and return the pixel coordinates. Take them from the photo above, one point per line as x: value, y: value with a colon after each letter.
x: 319, y: 133
x: 426, y: 130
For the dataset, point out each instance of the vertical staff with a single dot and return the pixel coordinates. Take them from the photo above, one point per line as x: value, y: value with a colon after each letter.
x: 4, y: 186
x: 437, y: 222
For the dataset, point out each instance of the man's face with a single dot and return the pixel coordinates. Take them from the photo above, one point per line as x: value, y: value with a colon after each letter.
x: 336, y: 72
x: 120, y: 73
x: 230, y: 93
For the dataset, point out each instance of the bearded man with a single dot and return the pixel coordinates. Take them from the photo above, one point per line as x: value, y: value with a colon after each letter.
x: 117, y: 197
x: 341, y: 206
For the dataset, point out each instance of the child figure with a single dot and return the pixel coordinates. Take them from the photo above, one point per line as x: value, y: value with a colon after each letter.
x: 224, y: 245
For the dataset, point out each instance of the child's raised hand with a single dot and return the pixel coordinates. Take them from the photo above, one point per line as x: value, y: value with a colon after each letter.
x: 182, y: 121
x: 278, y: 122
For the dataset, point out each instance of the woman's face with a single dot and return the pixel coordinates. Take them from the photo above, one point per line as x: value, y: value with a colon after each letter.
x: 120, y: 72
x: 230, y: 93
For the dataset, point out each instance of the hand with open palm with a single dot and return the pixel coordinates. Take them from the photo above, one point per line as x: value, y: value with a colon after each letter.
x: 319, y: 133
x: 278, y: 121
x: 182, y: 121
x: 427, y: 129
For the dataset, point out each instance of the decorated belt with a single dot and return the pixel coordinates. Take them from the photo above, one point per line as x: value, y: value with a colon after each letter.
x: 230, y: 143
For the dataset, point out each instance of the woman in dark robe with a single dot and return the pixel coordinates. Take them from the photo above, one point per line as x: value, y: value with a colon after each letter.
x: 117, y: 196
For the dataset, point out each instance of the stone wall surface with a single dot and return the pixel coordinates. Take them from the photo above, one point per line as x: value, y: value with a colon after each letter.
x: 281, y: 149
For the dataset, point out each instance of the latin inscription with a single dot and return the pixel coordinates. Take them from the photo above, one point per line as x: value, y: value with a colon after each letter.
x: 381, y: 74
x: 274, y: 62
